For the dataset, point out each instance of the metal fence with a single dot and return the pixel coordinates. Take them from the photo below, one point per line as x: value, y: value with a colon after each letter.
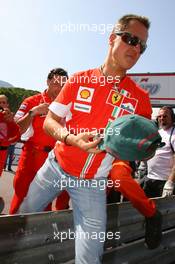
x: 33, y: 238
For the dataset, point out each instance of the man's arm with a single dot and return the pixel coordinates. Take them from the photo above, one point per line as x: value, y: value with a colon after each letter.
x: 25, y: 121
x: 169, y: 185
x: 52, y: 126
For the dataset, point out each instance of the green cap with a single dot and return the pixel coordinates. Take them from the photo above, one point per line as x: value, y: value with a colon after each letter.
x: 131, y: 137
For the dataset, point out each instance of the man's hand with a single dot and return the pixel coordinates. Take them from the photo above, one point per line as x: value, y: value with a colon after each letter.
x: 41, y: 109
x: 7, y: 115
x: 85, y: 141
x: 168, y: 188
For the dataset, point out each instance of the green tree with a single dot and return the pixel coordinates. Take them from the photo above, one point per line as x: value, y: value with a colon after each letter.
x: 16, y: 96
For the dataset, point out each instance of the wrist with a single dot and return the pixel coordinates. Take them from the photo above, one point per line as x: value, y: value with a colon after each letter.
x: 65, y: 139
x: 31, y: 113
x: 68, y: 139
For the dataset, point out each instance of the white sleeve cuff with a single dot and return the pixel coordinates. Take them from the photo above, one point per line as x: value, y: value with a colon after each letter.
x: 60, y: 109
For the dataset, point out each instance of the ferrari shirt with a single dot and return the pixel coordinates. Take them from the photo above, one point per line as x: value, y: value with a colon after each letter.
x: 89, y: 102
x: 36, y: 135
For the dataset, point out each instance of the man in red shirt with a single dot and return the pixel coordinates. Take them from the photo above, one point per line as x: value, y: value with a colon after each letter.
x: 9, y: 130
x: 89, y: 102
x: 30, y: 117
x: 9, y: 133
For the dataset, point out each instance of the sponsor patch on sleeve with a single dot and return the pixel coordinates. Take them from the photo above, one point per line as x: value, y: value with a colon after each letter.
x: 19, y: 114
x: 23, y: 107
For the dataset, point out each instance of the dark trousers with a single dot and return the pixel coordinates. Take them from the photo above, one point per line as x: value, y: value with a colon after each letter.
x: 153, y: 188
x: 10, y: 156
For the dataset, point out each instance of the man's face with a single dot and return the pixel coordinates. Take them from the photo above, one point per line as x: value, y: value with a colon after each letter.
x: 124, y: 55
x: 164, y: 119
x: 3, y: 102
x: 55, y: 85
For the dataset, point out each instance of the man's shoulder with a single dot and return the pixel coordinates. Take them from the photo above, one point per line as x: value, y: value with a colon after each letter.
x: 33, y: 98
x: 169, y: 131
x: 172, y: 134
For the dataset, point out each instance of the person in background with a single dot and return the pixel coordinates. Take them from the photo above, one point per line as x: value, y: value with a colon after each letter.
x: 37, y: 144
x: 160, y: 179
x: 90, y: 100
x: 10, y: 157
x: 9, y: 130
x: 9, y: 133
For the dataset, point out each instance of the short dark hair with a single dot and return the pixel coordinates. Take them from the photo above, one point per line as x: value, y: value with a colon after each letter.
x: 57, y: 71
x: 124, y: 21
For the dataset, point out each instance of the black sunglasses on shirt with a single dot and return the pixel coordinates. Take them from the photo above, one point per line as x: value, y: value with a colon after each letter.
x: 132, y: 40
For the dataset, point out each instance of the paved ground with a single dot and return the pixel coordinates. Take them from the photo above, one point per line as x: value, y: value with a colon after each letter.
x: 6, y: 188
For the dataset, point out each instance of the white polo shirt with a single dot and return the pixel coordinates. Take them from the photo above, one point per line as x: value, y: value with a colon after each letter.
x: 160, y: 166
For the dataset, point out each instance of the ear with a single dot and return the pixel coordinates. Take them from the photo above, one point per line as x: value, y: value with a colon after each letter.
x: 112, y: 37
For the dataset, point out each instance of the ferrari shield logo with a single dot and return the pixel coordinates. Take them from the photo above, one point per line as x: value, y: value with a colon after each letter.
x: 116, y: 97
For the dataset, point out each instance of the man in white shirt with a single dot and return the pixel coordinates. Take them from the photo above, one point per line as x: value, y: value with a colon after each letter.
x: 161, y: 168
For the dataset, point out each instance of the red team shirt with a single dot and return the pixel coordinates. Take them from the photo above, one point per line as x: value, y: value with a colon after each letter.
x: 90, y: 105
x: 39, y: 137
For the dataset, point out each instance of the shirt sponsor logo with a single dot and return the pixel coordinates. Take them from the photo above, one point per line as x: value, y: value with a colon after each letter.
x: 82, y: 107
x: 129, y: 104
x: 19, y: 113
x: 122, y: 103
x: 23, y: 107
x: 85, y: 94
x: 114, y: 98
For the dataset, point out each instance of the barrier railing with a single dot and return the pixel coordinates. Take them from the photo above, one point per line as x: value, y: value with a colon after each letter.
x: 35, y: 238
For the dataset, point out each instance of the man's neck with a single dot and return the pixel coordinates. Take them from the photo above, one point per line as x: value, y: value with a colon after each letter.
x: 49, y: 94
x: 112, y: 70
x: 166, y: 127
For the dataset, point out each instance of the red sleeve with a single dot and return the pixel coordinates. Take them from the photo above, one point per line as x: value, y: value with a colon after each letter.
x: 26, y: 105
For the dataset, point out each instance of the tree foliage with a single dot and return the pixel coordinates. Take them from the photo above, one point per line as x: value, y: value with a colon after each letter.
x: 16, y: 96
